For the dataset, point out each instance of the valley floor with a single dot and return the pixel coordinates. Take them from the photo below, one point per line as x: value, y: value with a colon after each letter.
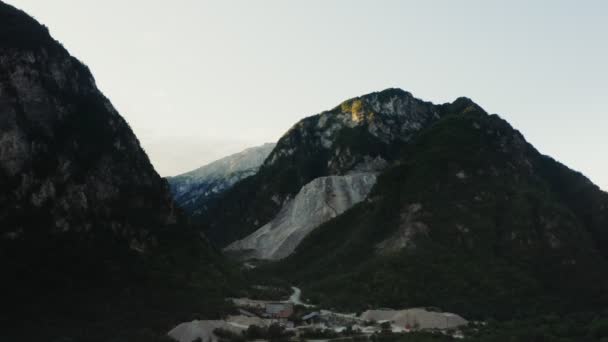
x: 295, y: 319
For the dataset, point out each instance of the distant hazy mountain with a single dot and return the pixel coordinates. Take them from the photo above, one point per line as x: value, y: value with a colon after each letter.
x: 192, y: 190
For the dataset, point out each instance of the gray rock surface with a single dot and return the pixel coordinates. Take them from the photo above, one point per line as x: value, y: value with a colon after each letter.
x: 317, y: 202
x: 363, y: 134
x: 216, y: 177
x: 190, y: 331
x: 391, y: 115
x: 67, y: 155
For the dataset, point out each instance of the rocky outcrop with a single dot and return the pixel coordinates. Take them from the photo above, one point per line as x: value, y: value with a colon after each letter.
x: 317, y: 202
x: 363, y: 134
x: 196, y: 187
x: 87, y: 226
x: 71, y: 168
x: 470, y: 199
x: 67, y: 153
x: 389, y: 116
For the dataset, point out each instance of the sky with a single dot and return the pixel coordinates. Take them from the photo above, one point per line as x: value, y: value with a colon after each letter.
x: 200, y: 79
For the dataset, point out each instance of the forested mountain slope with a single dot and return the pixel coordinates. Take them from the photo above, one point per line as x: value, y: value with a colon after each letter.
x: 363, y: 134
x: 471, y: 219
x: 91, y: 245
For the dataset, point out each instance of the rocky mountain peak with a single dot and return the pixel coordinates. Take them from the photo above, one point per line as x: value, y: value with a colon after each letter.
x: 196, y: 187
x: 69, y: 163
x: 87, y: 226
x: 391, y: 102
x: 362, y: 134
x: 385, y: 118
x: 249, y: 158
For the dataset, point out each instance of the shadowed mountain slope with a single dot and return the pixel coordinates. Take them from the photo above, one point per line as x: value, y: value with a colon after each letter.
x: 471, y: 219
x: 362, y: 134
x: 91, y: 245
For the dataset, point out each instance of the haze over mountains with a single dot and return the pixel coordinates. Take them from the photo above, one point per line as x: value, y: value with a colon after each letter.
x: 194, y: 188
x: 385, y: 200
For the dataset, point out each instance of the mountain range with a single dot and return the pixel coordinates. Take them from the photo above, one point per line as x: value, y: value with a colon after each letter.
x: 385, y: 200
x: 390, y: 201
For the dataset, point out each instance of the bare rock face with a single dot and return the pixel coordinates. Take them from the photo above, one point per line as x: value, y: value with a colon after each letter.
x: 363, y: 134
x: 205, y: 183
x: 317, y: 202
x: 392, y: 115
x: 69, y: 163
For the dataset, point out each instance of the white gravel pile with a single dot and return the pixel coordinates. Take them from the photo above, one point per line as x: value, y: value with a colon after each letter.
x: 244, y: 321
x: 190, y: 331
x: 416, y: 318
x: 317, y: 202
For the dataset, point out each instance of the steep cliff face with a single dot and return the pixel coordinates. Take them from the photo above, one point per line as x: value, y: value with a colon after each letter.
x: 317, y: 202
x: 192, y: 190
x: 87, y: 226
x: 67, y: 155
x: 386, y: 117
x: 71, y: 170
x: 364, y: 134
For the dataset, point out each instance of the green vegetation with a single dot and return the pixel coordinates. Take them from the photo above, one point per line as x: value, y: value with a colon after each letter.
x: 274, y: 333
x: 260, y: 292
x: 131, y: 298
x: 579, y: 327
x: 97, y: 259
x: 319, y: 334
x: 499, y: 239
x: 410, y: 337
x: 257, y: 199
x: 228, y: 336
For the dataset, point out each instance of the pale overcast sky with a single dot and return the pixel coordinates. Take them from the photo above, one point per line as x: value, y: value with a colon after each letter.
x: 200, y: 79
